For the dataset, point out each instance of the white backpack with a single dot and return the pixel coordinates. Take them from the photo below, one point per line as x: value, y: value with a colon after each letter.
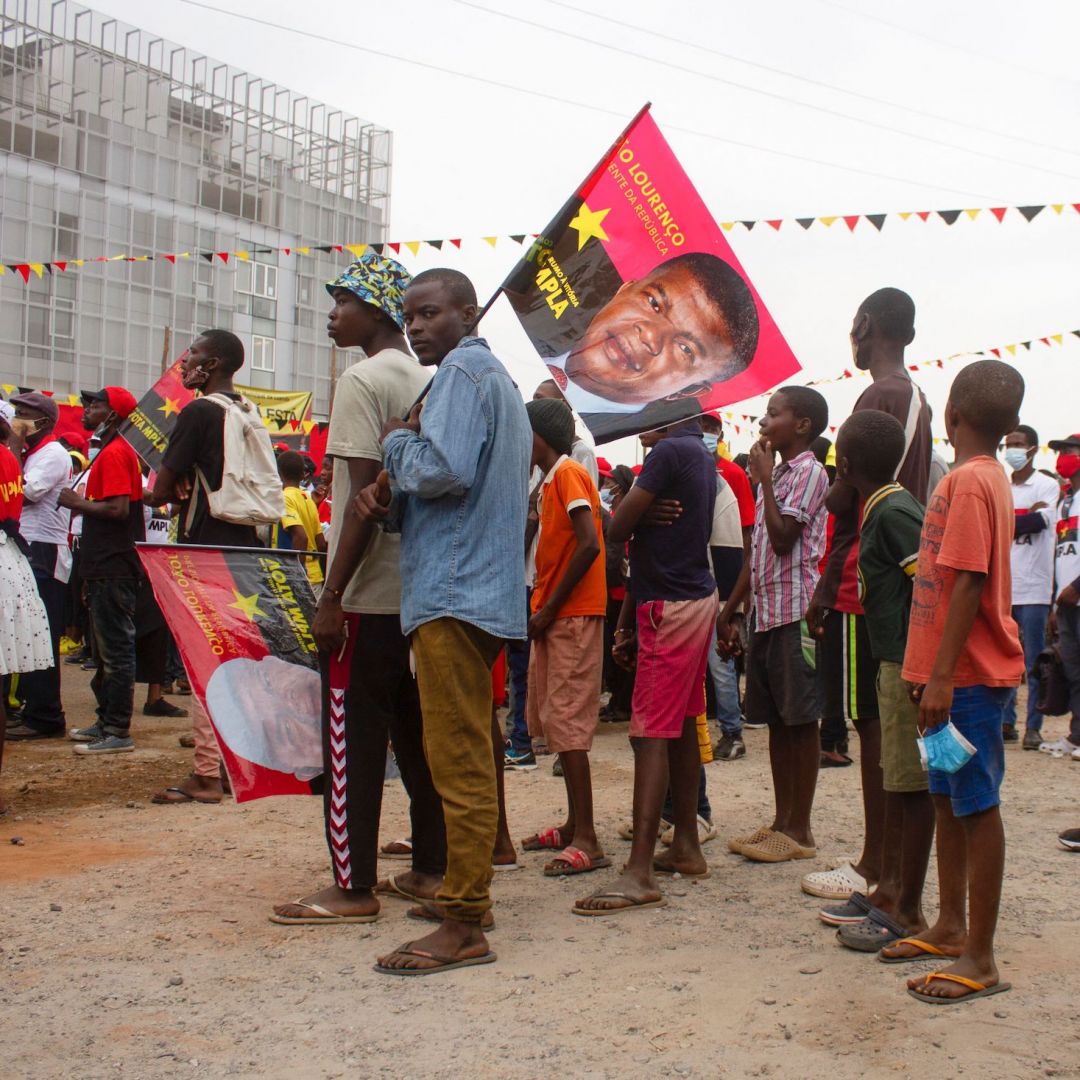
x: 250, y: 492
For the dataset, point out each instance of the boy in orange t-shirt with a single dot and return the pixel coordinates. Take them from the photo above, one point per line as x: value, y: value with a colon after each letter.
x: 963, y: 657
x: 569, y: 602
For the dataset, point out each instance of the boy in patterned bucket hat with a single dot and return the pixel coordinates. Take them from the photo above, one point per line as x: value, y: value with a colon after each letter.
x: 369, y: 692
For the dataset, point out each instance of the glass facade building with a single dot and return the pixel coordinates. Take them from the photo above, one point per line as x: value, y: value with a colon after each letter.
x: 114, y: 141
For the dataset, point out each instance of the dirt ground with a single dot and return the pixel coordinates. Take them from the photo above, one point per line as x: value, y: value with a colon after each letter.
x: 135, y: 942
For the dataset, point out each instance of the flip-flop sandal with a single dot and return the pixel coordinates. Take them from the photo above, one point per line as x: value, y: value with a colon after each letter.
x: 390, y: 887
x: 866, y: 936
x: 322, y: 915
x: 442, y: 963
x: 633, y: 905
x: 575, y: 861
x: 544, y: 839
x: 927, y: 951
x: 737, y: 843
x: 162, y: 798
x: 977, y: 989
x: 670, y: 871
x: 777, y: 847
x: 428, y: 913
x: 853, y: 910
x: 404, y: 851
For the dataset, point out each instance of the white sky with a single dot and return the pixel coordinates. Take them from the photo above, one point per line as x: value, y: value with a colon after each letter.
x: 473, y: 159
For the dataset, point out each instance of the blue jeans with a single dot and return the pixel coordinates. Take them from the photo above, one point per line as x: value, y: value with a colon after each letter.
x: 726, y: 686
x: 517, y: 659
x: 112, y: 616
x: 1031, y: 618
x: 1068, y: 622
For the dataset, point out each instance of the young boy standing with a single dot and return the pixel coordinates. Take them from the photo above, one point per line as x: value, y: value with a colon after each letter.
x: 963, y: 657
x: 669, y: 615
x: 781, y: 681
x: 301, y: 521
x: 869, y: 448
x: 569, y: 600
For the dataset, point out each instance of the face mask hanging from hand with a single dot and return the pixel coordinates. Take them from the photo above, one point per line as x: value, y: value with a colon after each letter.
x: 945, y: 750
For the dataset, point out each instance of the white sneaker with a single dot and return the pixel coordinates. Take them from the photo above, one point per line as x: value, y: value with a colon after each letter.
x: 836, y: 884
x: 705, y: 832
x: 1058, y: 748
x: 1075, y: 755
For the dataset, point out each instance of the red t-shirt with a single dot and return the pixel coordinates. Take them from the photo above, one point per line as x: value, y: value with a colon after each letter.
x: 11, y: 496
x: 107, y: 549
x: 968, y: 526
x: 739, y: 483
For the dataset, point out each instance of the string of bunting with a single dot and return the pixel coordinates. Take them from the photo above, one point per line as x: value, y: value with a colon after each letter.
x: 997, y: 352
x: 851, y: 221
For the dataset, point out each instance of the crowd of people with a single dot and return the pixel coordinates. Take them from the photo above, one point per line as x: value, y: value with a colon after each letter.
x: 475, y: 541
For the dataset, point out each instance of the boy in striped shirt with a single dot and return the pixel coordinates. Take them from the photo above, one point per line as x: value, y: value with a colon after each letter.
x: 781, y: 678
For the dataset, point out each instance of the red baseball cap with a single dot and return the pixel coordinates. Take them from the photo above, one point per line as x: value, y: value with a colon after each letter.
x: 603, y: 467
x: 121, y: 401
x: 636, y: 469
x: 76, y: 440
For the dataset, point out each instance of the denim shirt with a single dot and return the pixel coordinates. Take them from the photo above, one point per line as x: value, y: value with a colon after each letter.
x: 461, y: 497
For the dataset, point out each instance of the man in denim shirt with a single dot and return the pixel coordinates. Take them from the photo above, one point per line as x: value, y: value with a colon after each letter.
x: 460, y: 496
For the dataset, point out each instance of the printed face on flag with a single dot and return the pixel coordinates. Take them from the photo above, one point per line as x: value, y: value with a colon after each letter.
x: 241, y: 619
x: 636, y: 302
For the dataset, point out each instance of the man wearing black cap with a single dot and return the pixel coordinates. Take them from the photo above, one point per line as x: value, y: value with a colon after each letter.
x: 112, y: 523
x: 1065, y: 616
x: 46, y: 470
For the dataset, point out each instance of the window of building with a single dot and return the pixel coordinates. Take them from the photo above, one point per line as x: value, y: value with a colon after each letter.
x: 262, y: 353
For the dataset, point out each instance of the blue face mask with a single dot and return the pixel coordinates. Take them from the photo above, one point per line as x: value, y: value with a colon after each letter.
x: 1016, y: 457
x: 711, y: 442
x: 945, y: 750
x: 607, y: 497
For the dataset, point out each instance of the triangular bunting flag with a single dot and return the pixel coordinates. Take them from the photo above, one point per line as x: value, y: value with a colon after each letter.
x: 23, y: 270
x: 294, y: 424
x: 77, y: 262
x: 437, y: 244
x: 973, y: 214
x: 170, y: 258
x: 224, y: 257
x: 413, y: 246
x: 207, y: 255
x: 338, y: 248
x: 805, y: 222
x: 324, y: 247
x: 877, y: 220
x: 456, y: 243
x: 1026, y: 345
x: 998, y: 211
x: 749, y: 225
x: 827, y: 221
x: 3, y: 269
x: 38, y: 268
x: 245, y: 256
x: 904, y: 215
x: 1031, y: 212
x: 395, y: 247
x: 1044, y: 340
x: 61, y: 266
x: 309, y: 426
x: 518, y: 238
x: 1057, y: 207
x: 949, y: 216
x: 1059, y: 338
x: 377, y: 248
x: 996, y: 352
x: 727, y: 226
x: 288, y: 251
x: 492, y: 240
x: 851, y: 220
x: 924, y: 214
x: 356, y: 250
x: 775, y: 223
x: 304, y: 250
x: 1010, y: 349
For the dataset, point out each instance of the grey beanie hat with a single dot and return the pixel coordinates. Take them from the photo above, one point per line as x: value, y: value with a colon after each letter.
x: 553, y: 421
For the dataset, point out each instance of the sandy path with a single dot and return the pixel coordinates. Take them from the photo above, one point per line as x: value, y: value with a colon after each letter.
x: 135, y: 942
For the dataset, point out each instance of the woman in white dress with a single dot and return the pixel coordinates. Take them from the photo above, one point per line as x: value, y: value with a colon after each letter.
x: 24, y: 627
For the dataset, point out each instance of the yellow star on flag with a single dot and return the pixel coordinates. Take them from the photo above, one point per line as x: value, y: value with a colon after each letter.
x: 589, y: 224
x: 169, y: 407
x: 248, y: 605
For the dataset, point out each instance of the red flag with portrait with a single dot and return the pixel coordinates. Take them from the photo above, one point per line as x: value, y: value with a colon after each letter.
x: 636, y: 302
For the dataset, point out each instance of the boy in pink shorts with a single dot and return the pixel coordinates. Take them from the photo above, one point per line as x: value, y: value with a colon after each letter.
x: 668, y: 615
x: 566, y: 627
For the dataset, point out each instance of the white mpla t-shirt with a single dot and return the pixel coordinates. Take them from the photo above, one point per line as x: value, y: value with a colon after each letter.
x: 1033, y: 553
x: 1067, y: 564
x: 368, y: 394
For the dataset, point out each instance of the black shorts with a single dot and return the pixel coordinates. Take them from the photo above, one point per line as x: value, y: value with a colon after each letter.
x: 781, y: 677
x: 847, y: 670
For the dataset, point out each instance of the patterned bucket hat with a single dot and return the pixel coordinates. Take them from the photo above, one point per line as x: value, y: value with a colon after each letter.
x: 378, y: 281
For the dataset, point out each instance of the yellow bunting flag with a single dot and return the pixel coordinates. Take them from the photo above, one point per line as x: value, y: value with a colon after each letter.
x: 356, y: 250
x: 414, y: 246
x: 1057, y: 337
x: 38, y: 268
x: 492, y: 240
x: 826, y: 221
x: 727, y: 226
x: 973, y: 214
x: 242, y: 255
x: 1010, y: 349
x: 905, y: 214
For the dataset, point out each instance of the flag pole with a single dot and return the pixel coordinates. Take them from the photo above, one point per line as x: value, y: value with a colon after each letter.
x: 601, y: 164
